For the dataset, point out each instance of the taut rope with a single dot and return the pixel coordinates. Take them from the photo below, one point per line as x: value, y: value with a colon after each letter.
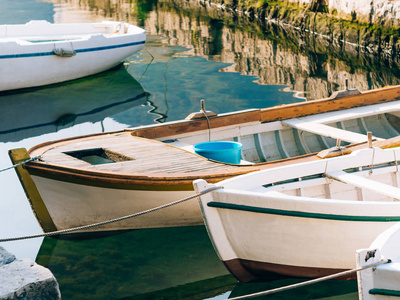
x: 64, y: 231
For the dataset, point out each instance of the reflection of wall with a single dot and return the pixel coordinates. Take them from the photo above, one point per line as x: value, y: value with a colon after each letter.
x: 69, y: 11
x: 309, y: 66
x: 284, y: 58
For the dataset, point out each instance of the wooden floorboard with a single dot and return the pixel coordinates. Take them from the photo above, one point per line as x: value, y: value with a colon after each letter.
x: 147, y: 156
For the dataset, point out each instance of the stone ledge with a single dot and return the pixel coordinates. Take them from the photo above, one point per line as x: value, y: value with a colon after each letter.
x: 25, y: 279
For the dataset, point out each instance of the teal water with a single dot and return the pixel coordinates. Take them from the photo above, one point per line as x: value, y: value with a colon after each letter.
x: 192, y: 53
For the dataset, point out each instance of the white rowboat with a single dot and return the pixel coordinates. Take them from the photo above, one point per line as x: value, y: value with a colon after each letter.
x: 40, y: 53
x: 303, y: 219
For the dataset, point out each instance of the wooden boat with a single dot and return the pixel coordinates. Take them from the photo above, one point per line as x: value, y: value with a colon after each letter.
x: 303, y: 219
x: 72, y: 185
x: 40, y: 53
x: 382, y: 281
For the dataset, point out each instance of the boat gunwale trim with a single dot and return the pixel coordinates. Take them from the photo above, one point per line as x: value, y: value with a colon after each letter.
x: 300, y: 214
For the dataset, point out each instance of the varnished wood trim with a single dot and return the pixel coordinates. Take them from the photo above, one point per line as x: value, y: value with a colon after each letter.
x: 167, y: 182
x: 170, y: 181
x: 275, y: 113
x: 197, y: 124
x: 302, y: 109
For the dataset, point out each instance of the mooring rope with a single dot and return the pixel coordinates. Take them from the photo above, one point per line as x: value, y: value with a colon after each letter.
x: 312, y: 281
x: 22, y: 163
x: 64, y: 231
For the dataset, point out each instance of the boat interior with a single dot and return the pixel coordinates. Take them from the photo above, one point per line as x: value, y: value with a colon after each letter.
x: 133, y: 152
x: 367, y: 183
x: 263, y: 142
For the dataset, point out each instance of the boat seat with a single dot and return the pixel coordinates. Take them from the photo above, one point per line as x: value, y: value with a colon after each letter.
x: 365, y: 183
x: 328, y: 131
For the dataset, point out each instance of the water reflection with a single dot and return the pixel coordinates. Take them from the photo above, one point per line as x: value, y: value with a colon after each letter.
x: 163, y: 263
x: 332, y: 289
x: 166, y: 263
x: 199, y: 52
x: 274, y: 53
x: 49, y: 109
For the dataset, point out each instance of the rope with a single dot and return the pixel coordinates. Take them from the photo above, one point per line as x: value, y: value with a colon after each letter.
x: 64, y: 231
x: 22, y: 163
x: 203, y: 110
x: 372, y: 165
x: 297, y: 285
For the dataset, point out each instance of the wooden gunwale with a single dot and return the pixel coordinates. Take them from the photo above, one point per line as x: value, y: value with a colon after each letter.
x: 328, y: 104
x: 264, y: 115
x: 275, y: 113
x: 169, y: 181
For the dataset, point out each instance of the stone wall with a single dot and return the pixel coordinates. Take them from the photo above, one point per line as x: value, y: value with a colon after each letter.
x: 383, y: 12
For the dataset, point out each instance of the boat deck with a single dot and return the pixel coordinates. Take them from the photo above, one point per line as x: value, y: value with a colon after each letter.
x: 126, y: 154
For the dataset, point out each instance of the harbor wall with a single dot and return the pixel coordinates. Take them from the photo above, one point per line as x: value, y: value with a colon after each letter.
x: 281, y: 55
x: 382, y: 12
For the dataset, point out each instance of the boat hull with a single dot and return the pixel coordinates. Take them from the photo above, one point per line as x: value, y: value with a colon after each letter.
x: 29, y: 64
x: 72, y: 205
x: 311, y: 245
x: 299, y: 220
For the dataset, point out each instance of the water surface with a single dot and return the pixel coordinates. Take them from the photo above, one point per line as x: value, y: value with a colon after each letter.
x: 193, y: 52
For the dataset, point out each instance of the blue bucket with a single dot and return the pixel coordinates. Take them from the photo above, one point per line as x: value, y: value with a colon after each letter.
x: 223, y: 151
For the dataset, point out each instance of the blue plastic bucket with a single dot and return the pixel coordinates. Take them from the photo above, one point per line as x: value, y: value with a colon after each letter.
x: 223, y: 151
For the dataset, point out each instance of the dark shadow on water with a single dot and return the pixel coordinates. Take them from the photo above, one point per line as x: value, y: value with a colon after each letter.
x: 331, y: 289
x: 51, y: 108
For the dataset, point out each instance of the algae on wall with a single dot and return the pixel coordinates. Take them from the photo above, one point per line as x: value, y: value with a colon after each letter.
x: 375, y: 35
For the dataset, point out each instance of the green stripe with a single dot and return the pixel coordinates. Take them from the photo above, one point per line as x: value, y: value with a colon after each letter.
x: 301, y: 214
x: 384, y: 292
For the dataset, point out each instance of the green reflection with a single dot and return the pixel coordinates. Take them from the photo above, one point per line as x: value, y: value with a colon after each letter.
x: 165, y: 263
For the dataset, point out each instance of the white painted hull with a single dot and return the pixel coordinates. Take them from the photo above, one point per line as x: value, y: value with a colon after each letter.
x: 318, y: 243
x: 289, y: 228
x: 72, y: 205
x: 383, y: 280
x: 27, y: 64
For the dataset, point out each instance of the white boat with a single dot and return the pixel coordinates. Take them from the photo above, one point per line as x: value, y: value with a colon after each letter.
x: 40, y: 53
x: 303, y: 219
x: 148, y: 166
x: 383, y: 280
